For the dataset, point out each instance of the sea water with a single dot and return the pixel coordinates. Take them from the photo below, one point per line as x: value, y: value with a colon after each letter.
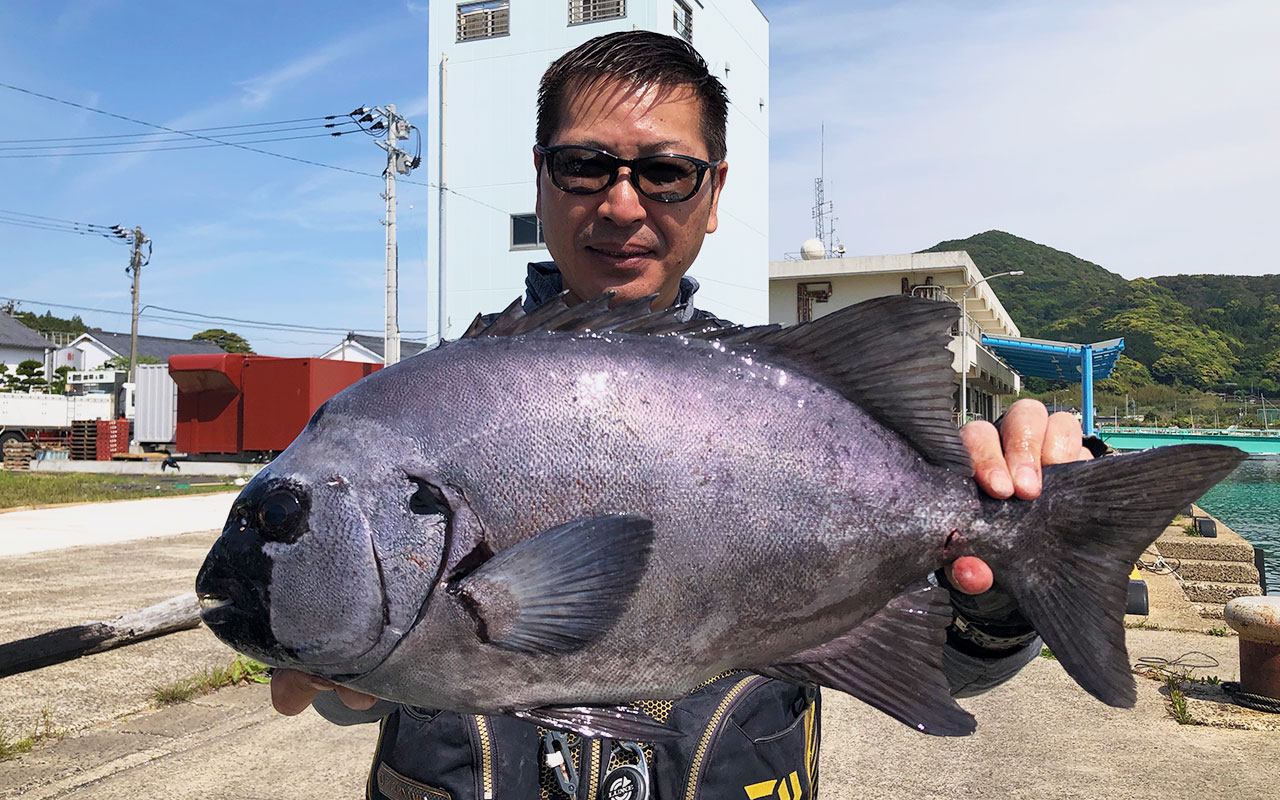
x: 1248, y: 502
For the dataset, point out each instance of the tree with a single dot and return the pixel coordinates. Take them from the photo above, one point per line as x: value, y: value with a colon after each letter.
x: 122, y: 362
x: 58, y: 383
x: 6, y: 380
x: 227, y: 340
x: 30, y: 375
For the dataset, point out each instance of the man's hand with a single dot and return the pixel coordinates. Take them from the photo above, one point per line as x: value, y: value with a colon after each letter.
x: 293, y: 691
x: 1007, y: 462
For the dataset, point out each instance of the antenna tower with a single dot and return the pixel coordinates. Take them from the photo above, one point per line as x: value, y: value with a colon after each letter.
x: 824, y: 218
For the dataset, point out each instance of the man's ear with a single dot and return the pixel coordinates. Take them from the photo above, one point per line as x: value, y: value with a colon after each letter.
x: 537, y: 182
x: 718, y: 176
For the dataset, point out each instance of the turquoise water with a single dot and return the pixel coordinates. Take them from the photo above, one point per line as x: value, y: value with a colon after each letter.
x: 1248, y: 501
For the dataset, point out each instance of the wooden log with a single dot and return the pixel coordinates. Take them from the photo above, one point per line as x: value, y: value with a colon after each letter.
x: 64, y: 644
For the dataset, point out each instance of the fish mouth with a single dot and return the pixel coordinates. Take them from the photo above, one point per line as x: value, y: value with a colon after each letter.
x: 212, y: 602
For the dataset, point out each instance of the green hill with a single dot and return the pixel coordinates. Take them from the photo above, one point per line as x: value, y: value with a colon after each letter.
x: 1201, y: 331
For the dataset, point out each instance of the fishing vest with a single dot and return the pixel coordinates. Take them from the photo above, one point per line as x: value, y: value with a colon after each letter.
x: 741, y: 736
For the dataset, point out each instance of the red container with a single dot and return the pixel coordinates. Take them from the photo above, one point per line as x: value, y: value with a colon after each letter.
x: 281, y: 394
x: 230, y: 403
x: 210, y: 404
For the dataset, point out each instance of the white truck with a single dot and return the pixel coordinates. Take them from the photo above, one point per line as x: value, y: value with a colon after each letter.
x: 151, y: 404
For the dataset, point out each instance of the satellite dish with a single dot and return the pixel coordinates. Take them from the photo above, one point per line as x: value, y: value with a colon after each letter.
x: 813, y: 250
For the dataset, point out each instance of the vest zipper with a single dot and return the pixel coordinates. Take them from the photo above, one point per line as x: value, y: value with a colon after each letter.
x: 592, y: 773
x: 486, y: 756
x: 717, y: 719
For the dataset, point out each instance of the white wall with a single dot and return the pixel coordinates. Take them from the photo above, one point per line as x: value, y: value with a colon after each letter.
x: 13, y: 356
x: 489, y: 111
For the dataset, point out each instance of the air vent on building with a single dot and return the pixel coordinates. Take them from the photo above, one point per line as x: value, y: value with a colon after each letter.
x: 684, y: 23
x: 483, y: 20
x: 581, y: 11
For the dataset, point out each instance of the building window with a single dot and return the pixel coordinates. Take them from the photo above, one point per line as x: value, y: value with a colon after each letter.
x: 483, y: 20
x: 526, y: 232
x: 684, y: 21
x: 581, y: 11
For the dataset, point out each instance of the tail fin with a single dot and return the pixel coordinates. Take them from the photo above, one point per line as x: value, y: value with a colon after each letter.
x: 1066, y: 556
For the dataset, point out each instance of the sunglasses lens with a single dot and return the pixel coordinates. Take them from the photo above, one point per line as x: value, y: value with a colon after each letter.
x: 666, y: 178
x: 581, y: 171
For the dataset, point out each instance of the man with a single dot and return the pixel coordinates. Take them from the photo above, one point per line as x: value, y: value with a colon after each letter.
x: 630, y: 163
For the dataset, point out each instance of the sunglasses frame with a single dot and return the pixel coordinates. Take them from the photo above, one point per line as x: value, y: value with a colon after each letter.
x: 548, y: 153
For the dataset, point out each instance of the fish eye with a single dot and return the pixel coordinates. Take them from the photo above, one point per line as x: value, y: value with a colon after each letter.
x: 428, y: 500
x: 277, y: 512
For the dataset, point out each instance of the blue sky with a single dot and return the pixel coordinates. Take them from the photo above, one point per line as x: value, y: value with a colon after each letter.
x: 1139, y: 135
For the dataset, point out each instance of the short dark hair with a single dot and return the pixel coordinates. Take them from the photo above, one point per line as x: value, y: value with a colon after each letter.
x: 637, y: 58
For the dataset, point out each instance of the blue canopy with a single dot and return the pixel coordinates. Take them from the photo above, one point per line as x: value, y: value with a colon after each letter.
x: 1060, y: 361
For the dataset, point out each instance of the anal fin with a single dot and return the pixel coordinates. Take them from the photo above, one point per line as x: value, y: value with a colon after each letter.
x: 893, y: 662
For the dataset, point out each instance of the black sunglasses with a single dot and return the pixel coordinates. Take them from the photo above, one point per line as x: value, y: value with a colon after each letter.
x: 666, y: 177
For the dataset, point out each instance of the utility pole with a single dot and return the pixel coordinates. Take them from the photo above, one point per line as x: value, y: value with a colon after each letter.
x: 398, y: 161
x: 136, y: 263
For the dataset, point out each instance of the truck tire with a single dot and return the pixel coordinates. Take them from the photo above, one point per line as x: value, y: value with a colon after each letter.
x: 10, y: 436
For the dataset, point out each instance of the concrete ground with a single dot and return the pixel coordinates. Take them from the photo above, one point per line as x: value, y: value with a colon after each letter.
x: 1039, y: 735
x: 39, y: 529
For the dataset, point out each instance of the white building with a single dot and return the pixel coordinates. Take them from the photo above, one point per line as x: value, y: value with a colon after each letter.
x: 486, y: 59
x: 368, y: 349
x: 89, y: 351
x: 19, y: 343
x: 809, y: 289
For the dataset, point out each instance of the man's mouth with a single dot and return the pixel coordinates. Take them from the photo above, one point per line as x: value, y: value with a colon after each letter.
x: 619, y: 254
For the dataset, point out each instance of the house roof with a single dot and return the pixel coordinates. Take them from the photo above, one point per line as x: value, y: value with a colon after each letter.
x: 376, y: 345
x: 157, y: 347
x: 14, y: 334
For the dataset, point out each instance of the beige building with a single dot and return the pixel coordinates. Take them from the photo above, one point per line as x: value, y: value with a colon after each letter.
x: 810, y: 288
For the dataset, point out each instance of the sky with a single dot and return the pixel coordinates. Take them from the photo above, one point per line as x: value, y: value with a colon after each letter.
x: 1138, y: 135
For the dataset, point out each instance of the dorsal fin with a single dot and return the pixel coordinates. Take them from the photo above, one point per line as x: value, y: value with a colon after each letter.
x: 557, y: 316
x: 889, y: 355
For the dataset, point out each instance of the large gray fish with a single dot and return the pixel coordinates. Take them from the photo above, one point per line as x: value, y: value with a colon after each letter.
x: 582, y: 506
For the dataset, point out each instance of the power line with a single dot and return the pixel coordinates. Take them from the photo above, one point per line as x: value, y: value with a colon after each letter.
x: 186, y: 133
x: 179, y: 147
x: 164, y: 141
x: 282, y: 326
x: 215, y: 128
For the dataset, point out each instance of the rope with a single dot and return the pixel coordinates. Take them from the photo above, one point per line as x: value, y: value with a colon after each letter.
x: 1179, y: 668
x: 1249, y: 700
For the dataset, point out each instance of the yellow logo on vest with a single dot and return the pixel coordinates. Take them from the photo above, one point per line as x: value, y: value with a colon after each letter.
x: 787, y: 788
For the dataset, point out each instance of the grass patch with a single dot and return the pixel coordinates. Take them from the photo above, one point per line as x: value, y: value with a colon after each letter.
x: 1219, y: 632
x: 1143, y: 625
x: 51, y: 488
x: 1047, y: 653
x: 240, y: 670
x: 1178, y: 702
x: 44, y: 730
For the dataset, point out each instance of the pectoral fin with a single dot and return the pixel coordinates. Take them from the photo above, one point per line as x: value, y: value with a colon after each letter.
x: 893, y: 662
x: 560, y: 590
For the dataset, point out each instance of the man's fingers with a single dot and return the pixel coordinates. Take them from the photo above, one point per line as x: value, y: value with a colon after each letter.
x: 970, y: 575
x: 357, y: 701
x: 293, y: 691
x: 1023, y: 433
x: 989, y: 469
x: 1062, y: 440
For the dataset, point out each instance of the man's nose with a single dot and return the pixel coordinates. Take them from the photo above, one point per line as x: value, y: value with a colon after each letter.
x: 621, y: 204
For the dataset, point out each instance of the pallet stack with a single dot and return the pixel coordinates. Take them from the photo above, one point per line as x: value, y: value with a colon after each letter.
x: 113, y: 437
x: 84, y: 440
x: 18, y: 455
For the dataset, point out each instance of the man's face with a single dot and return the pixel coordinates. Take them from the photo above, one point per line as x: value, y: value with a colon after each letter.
x: 618, y: 239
